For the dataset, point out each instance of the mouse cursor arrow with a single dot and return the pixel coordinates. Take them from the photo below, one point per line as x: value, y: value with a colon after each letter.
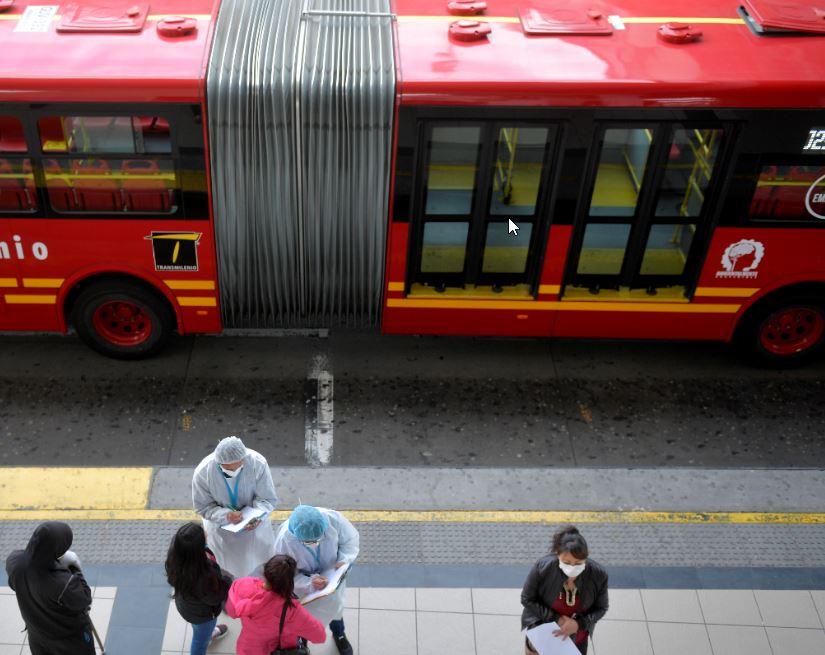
x: 513, y: 228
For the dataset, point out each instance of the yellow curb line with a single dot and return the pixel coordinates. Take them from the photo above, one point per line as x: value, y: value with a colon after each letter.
x: 449, y: 516
x: 55, y: 488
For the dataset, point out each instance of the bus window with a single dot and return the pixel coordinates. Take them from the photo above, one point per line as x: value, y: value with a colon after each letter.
x: 451, y: 170
x: 444, y: 247
x: 505, y: 252
x: 92, y: 185
x: 690, y: 164
x: 11, y: 135
x: 667, y: 249
x: 789, y: 193
x: 517, y: 170
x: 17, y: 189
x: 621, y: 170
x: 603, y: 248
x: 105, y: 135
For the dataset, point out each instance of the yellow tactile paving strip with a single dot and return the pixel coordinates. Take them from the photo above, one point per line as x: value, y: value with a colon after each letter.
x: 122, y: 494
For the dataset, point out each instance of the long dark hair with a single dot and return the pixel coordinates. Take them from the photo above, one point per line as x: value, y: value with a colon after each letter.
x: 187, y: 567
x: 279, y: 573
x: 569, y: 540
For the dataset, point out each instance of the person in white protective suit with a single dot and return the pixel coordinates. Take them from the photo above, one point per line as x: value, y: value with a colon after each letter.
x: 320, y: 539
x: 225, y: 482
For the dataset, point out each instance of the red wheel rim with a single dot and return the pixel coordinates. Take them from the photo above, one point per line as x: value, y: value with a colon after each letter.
x: 792, y: 330
x: 122, y: 323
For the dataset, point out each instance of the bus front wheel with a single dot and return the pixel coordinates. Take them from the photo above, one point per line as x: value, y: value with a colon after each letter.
x: 785, y: 332
x: 122, y: 320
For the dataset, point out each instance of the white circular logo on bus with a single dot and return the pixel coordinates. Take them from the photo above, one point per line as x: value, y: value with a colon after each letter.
x: 816, y: 200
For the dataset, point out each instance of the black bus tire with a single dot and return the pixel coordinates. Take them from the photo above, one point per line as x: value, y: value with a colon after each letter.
x: 122, y: 320
x: 785, y: 332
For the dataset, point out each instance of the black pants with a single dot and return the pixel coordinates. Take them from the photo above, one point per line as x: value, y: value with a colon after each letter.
x: 73, y: 646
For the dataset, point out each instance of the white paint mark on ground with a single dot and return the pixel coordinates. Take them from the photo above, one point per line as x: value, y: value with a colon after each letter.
x: 319, y: 413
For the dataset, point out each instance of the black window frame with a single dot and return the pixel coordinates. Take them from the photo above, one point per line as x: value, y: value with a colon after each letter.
x: 650, y: 190
x: 480, y: 216
x: 188, y: 154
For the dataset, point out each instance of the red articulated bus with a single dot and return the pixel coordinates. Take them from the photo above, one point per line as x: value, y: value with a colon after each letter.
x: 502, y: 168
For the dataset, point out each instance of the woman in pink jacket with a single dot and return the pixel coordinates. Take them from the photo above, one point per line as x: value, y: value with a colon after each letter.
x: 258, y: 604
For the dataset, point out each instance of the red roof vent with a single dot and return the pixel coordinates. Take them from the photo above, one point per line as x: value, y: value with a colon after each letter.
x: 173, y: 26
x: 564, y: 20
x: 78, y: 18
x: 5, y: 5
x: 466, y: 7
x: 783, y: 16
x: 469, y: 30
x: 678, y: 33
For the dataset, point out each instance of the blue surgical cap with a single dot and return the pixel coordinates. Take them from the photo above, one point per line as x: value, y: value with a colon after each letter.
x: 307, y: 523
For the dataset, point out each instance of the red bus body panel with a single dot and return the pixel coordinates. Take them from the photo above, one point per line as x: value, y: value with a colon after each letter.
x: 143, y: 67
x: 729, y: 67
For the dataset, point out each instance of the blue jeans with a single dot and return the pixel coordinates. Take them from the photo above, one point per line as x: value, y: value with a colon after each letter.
x: 201, y: 636
x: 337, y: 627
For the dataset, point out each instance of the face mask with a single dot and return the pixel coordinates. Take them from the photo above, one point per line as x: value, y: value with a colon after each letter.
x: 572, y: 570
x: 232, y: 474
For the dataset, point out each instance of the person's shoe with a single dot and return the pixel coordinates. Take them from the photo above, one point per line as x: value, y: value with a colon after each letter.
x: 219, y: 632
x: 344, y: 647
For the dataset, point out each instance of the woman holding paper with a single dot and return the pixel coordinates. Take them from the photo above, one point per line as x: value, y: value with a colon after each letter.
x: 271, y: 620
x: 323, y: 542
x: 232, y: 488
x: 566, y: 587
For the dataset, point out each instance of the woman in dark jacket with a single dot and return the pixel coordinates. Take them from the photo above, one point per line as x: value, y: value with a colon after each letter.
x: 52, y: 593
x: 200, y: 586
x: 565, y: 587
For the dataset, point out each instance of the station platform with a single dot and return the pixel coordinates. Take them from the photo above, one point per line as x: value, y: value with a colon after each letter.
x: 700, y: 561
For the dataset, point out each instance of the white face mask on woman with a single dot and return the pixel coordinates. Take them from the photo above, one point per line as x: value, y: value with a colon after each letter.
x: 230, y: 473
x: 572, y: 570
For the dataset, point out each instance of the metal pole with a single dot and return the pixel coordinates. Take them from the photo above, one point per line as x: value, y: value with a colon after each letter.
x: 96, y: 635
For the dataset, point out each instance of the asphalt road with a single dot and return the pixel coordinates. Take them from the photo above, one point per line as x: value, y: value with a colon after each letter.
x: 410, y: 401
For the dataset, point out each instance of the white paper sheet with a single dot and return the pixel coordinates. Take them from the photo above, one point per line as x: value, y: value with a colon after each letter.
x: 248, y: 514
x: 546, y: 643
x: 334, y: 577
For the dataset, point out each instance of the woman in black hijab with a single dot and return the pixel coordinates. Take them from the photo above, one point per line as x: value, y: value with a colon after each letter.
x: 52, y: 593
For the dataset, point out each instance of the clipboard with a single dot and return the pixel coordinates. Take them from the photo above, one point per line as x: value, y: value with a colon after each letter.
x: 334, y: 579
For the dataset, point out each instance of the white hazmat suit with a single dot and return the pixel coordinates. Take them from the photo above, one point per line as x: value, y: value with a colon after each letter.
x: 340, y: 543
x: 242, y: 553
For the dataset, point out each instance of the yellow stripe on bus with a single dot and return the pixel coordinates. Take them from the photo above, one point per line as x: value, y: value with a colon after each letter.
x: 724, y: 292
x: 21, y: 299
x: 190, y: 285
x: 565, y: 305
x: 8, y: 282
x: 395, y: 286
x: 197, y: 301
x: 155, y: 17
x: 550, y: 288
x: 42, y: 282
x: 629, y: 20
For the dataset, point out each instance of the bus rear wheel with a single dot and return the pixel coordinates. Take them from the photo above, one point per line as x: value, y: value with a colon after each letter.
x: 785, y: 333
x: 122, y: 320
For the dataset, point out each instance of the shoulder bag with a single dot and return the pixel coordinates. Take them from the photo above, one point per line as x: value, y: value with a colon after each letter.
x: 298, y: 650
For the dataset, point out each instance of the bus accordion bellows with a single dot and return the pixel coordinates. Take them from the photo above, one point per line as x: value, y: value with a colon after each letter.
x: 511, y: 168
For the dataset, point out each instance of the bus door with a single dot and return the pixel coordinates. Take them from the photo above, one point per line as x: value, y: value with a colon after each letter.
x: 479, y: 180
x: 643, y: 227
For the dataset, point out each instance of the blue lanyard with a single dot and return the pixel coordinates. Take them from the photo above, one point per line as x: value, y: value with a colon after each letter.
x: 233, y: 494
x: 316, y: 553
